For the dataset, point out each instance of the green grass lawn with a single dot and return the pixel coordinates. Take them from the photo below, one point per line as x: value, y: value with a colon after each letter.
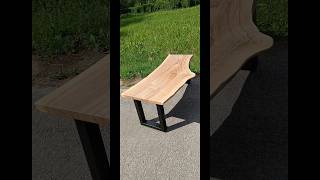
x: 62, y: 27
x: 145, y: 40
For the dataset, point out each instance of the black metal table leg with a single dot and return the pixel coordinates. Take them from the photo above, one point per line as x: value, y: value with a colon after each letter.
x: 140, y: 112
x: 162, y: 126
x: 162, y: 118
x: 94, y: 150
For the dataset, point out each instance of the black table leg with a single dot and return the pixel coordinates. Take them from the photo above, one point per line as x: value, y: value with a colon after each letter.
x: 140, y: 112
x: 162, y: 118
x: 94, y: 150
x: 162, y: 126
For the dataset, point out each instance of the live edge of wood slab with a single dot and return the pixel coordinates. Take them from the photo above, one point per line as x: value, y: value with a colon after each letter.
x: 86, y: 97
x: 234, y: 40
x: 163, y: 82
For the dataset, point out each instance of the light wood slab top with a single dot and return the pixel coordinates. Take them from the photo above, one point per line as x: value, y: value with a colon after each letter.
x: 86, y: 97
x: 234, y: 39
x: 163, y: 82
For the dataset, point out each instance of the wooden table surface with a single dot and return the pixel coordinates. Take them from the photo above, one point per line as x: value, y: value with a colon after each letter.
x: 163, y: 82
x: 86, y: 97
x: 234, y: 39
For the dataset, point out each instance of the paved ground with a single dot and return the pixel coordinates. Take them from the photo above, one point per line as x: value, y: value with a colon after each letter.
x: 221, y: 105
x: 56, y: 148
x: 145, y: 153
x: 252, y: 143
x: 148, y: 154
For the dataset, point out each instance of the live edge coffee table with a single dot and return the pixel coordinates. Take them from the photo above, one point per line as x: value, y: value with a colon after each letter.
x: 159, y: 86
x: 85, y: 99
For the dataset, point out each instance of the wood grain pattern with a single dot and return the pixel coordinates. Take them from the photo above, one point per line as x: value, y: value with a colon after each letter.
x: 234, y: 39
x: 163, y: 82
x: 86, y: 97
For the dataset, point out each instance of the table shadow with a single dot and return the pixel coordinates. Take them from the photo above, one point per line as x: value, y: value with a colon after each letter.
x: 187, y: 109
x: 252, y: 142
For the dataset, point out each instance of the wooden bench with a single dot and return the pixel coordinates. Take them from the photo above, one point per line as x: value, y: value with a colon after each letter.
x: 159, y: 86
x: 235, y: 40
x: 85, y: 99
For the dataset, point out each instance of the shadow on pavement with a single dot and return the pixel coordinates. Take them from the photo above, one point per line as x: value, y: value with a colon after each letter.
x: 188, y: 108
x: 252, y: 142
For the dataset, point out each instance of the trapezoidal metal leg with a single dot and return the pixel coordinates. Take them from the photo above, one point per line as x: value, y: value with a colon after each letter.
x: 140, y: 112
x: 162, y: 120
x: 94, y: 150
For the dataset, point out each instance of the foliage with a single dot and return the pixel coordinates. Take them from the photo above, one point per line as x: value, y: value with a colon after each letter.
x: 272, y: 17
x: 142, y: 6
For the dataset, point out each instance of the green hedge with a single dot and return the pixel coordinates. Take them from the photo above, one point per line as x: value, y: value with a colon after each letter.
x: 157, y: 5
x: 145, y: 8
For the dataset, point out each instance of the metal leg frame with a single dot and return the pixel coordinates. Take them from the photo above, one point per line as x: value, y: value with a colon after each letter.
x: 94, y: 150
x: 162, y: 126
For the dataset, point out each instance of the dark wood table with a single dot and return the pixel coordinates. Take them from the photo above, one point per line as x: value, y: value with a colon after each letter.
x: 86, y: 100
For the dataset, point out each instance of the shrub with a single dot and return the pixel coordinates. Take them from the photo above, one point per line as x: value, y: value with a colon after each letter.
x: 185, y: 3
